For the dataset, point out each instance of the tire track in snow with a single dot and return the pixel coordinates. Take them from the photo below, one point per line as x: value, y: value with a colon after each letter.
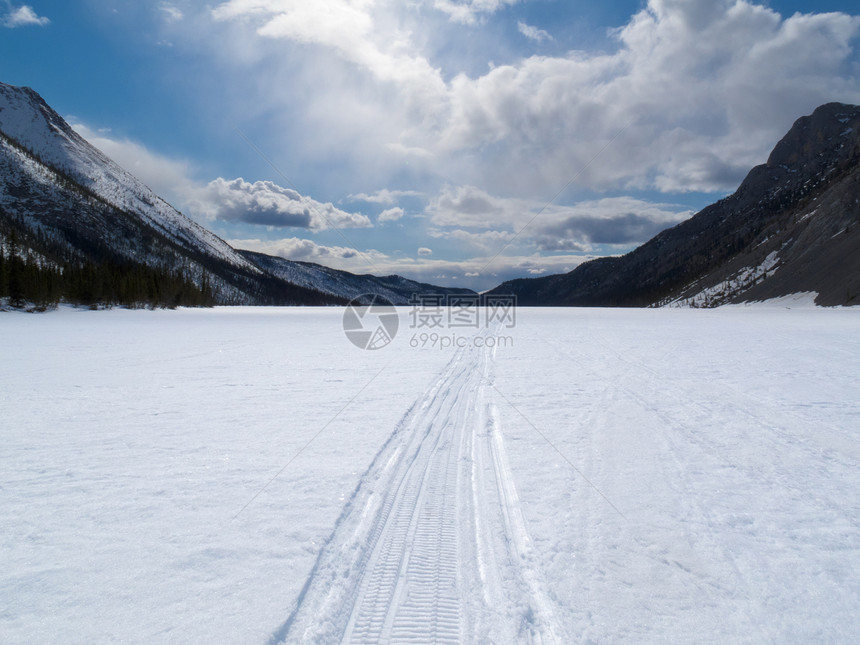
x: 432, y: 546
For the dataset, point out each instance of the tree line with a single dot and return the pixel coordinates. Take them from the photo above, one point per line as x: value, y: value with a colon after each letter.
x: 28, y: 281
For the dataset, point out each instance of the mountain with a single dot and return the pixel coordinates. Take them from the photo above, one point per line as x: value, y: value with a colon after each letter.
x: 397, y: 289
x: 792, y: 226
x: 78, y: 217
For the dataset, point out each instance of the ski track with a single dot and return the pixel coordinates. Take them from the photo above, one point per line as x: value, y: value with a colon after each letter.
x: 433, y: 546
x: 636, y: 381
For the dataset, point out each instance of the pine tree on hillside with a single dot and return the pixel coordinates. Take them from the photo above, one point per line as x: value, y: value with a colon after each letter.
x: 17, y: 296
x: 15, y: 271
x: 3, y: 279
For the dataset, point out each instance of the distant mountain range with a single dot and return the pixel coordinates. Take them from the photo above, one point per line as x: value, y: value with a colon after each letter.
x: 793, y: 226
x: 66, y: 205
x: 335, y: 282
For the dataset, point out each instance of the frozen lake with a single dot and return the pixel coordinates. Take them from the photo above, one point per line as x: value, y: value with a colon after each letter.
x: 245, y: 475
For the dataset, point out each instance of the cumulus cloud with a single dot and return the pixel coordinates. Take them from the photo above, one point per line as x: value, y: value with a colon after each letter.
x: 424, y: 251
x: 23, y: 16
x: 533, y: 33
x: 698, y: 90
x: 267, y: 204
x: 391, y: 214
x: 694, y: 93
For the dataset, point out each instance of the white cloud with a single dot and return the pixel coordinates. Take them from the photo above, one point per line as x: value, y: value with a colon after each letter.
x: 346, y: 27
x: 409, y: 151
x: 698, y: 90
x: 298, y: 249
x: 391, y: 214
x: 472, y: 207
x: 486, y: 241
x: 170, y: 12
x: 267, y: 204
x: 384, y: 196
x: 468, y: 11
x: 424, y: 251
x: 533, y: 33
x: 23, y: 16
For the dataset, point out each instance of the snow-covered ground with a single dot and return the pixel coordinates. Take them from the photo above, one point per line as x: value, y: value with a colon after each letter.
x: 248, y: 476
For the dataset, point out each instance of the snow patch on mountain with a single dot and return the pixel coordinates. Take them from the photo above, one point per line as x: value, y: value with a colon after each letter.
x: 727, y: 289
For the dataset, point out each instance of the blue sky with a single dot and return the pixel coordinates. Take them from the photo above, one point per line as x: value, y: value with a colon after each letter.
x: 461, y: 142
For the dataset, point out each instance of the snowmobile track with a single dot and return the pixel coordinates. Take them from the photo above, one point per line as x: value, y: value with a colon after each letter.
x: 433, y: 546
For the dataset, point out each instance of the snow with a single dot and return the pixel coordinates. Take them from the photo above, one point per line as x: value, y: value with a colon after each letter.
x: 737, y: 284
x: 803, y: 299
x: 247, y: 475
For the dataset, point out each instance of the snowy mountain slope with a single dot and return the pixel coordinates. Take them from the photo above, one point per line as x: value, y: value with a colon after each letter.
x: 791, y: 227
x: 64, y: 201
x: 27, y: 119
x: 397, y: 289
x: 53, y: 217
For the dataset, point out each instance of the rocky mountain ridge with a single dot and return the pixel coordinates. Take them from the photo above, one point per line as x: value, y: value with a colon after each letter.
x: 793, y: 226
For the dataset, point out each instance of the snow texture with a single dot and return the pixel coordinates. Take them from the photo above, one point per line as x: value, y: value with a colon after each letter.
x: 247, y: 475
